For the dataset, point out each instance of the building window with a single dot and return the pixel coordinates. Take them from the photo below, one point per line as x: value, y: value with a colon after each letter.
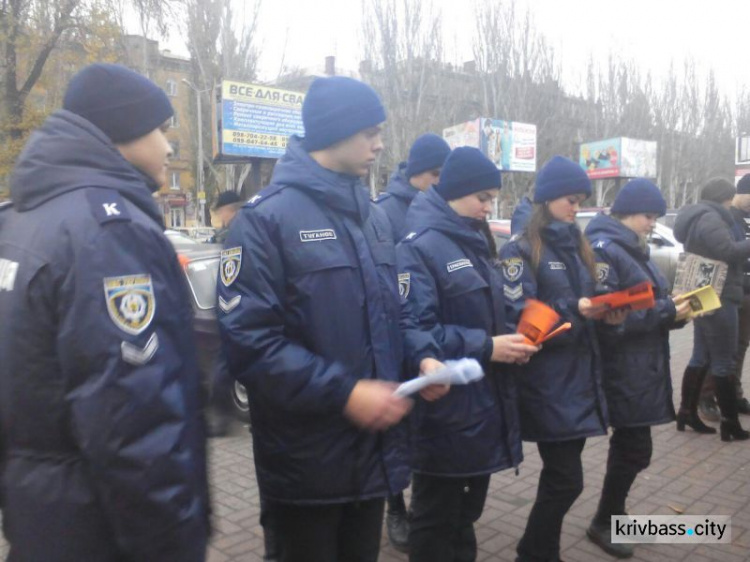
x: 174, y: 181
x: 175, y: 150
x: 177, y: 217
x: 171, y: 88
x: 173, y: 122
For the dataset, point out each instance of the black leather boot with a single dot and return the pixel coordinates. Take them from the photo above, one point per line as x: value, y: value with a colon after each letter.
x: 726, y: 392
x: 600, y: 533
x: 692, y: 381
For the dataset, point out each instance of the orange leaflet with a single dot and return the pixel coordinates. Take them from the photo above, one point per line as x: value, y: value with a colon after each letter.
x: 537, y: 321
x: 637, y: 297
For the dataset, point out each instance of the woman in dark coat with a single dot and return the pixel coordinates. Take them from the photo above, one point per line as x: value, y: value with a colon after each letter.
x: 635, y: 354
x: 561, y: 397
x: 709, y: 230
x: 448, y: 282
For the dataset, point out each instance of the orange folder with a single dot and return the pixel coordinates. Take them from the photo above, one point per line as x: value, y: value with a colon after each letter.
x: 537, y: 321
x: 637, y: 297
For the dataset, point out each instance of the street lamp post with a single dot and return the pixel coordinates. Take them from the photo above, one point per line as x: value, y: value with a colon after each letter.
x: 200, y: 187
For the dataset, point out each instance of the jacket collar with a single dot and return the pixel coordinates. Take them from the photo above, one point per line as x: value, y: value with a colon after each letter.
x: 341, y: 192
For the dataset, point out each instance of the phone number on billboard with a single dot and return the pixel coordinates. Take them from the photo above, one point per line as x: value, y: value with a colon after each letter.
x: 256, y: 139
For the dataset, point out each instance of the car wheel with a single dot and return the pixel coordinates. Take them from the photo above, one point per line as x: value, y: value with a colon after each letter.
x: 240, y: 403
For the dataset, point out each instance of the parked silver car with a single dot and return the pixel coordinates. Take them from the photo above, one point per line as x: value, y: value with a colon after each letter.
x: 200, y: 262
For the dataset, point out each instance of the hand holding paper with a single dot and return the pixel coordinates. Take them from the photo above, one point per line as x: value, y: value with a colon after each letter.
x: 462, y: 371
x: 537, y: 321
x: 637, y: 297
x: 702, y: 301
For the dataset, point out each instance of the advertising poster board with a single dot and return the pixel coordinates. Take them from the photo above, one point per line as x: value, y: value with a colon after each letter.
x: 510, y: 145
x: 619, y: 157
x: 256, y: 121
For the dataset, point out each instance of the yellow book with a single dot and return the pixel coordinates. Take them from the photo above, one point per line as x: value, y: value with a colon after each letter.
x: 702, y: 301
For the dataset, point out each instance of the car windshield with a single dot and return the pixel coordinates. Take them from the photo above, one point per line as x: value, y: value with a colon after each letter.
x: 202, y: 274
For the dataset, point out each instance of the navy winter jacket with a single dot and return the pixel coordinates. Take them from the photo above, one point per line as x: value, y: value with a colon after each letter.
x: 561, y: 396
x: 103, y: 444
x: 521, y: 215
x: 309, y: 306
x: 454, y: 292
x: 635, y: 354
x: 396, y: 200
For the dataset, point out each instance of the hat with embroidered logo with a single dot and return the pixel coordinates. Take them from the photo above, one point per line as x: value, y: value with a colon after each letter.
x: 467, y: 171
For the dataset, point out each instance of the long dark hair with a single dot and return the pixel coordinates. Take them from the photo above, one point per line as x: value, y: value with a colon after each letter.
x: 540, y: 218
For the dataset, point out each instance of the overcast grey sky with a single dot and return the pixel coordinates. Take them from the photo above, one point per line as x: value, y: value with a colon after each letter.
x: 651, y: 32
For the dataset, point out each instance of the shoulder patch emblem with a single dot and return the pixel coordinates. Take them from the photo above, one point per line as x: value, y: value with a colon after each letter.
x: 404, y: 284
x: 231, y: 262
x: 601, y: 244
x: 130, y: 302
x: 513, y: 293
x: 602, y: 271
x: 107, y: 205
x: 555, y: 265
x: 317, y: 235
x: 458, y: 264
x: 512, y: 269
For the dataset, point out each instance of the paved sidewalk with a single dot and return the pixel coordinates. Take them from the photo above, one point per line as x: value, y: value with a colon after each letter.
x: 695, y: 473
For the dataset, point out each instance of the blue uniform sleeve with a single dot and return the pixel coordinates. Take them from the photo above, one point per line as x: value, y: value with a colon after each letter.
x: 519, y: 284
x: 419, y: 344
x: 610, y: 264
x: 134, y: 391
x: 422, y: 301
x: 260, y: 354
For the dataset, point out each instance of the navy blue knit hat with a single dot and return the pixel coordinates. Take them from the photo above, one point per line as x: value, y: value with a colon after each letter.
x: 743, y: 186
x: 560, y: 177
x: 466, y: 171
x: 124, y: 104
x: 639, y: 196
x: 336, y: 108
x: 427, y: 153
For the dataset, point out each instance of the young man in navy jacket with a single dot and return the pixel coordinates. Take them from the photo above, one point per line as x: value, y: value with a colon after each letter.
x: 310, y: 317
x: 103, y: 443
x: 417, y: 174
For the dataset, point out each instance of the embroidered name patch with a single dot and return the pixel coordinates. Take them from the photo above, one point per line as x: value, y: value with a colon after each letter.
x: 231, y: 262
x: 512, y: 269
x: 557, y: 265
x: 130, y: 302
x: 8, y: 272
x: 317, y: 235
x: 458, y: 264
